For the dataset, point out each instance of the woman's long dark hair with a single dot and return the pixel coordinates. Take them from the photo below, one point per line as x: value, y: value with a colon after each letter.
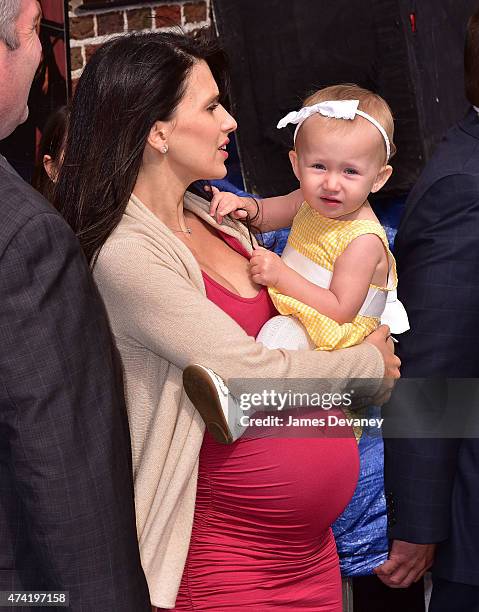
x: 129, y: 83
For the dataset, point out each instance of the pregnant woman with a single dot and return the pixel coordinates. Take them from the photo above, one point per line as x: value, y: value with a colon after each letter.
x: 244, y: 527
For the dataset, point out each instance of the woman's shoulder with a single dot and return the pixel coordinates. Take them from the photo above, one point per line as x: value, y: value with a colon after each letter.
x: 132, y: 239
x: 138, y: 243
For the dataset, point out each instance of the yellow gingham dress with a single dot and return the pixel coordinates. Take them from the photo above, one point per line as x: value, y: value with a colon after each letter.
x: 322, y: 241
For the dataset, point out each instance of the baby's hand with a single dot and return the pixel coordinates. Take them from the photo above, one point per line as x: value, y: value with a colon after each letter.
x: 224, y: 203
x: 265, y: 267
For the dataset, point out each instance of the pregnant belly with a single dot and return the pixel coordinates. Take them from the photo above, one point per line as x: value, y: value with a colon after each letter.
x: 287, y: 490
x: 261, y: 534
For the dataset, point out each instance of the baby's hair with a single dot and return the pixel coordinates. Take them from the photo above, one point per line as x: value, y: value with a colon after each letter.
x: 369, y: 102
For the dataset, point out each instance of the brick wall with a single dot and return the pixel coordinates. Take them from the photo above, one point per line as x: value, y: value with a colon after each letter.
x: 90, y: 28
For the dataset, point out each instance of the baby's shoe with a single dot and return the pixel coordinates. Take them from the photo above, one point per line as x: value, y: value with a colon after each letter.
x: 219, y: 410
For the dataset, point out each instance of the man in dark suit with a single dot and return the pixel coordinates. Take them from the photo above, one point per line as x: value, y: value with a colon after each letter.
x: 432, y: 485
x: 67, y: 518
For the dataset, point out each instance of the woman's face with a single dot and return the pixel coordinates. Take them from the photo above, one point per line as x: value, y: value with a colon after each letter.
x: 199, y: 130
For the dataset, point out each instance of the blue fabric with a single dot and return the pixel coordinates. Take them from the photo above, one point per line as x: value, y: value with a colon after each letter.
x: 361, y: 530
x: 276, y: 241
x: 389, y: 212
x: 224, y: 185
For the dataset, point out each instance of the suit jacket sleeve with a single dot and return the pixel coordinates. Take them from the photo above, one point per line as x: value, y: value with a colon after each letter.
x: 65, y: 421
x: 439, y: 286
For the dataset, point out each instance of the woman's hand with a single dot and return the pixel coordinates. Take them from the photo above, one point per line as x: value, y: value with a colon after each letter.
x: 381, y: 339
x: 226, y: 203
x: 265, y: 267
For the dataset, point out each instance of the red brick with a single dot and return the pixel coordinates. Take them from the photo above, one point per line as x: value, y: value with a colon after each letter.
x: 110, y: 23
x: 82, y: 27
x: 195, y: 12
x: 168, y: 15
x: 89, y: 51
x: 76, y: 58
x: 139, y: 19
x: 89, y: 3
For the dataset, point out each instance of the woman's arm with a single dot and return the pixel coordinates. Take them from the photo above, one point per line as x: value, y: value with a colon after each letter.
x: 267, y: 213
x: 152, y: 303
x: 353, y: 273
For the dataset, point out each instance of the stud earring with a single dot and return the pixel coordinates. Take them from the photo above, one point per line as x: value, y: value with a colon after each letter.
x: 165, y: 149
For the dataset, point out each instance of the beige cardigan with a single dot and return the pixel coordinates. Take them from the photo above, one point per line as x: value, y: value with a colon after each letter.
x: 162, y: 321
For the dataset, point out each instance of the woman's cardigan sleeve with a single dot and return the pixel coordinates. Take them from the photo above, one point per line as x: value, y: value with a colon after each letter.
x: 154, y: 301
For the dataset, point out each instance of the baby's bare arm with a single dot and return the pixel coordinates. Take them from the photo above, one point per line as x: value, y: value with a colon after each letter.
x: 267, y: 214
x: 352, y: 275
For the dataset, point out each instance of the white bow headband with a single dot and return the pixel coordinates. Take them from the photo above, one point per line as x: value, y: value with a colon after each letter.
x: 339, y: 109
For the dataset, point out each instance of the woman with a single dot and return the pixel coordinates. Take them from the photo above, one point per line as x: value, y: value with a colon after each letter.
x: 147, y: 122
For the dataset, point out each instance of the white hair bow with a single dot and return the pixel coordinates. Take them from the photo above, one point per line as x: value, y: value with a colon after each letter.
x: 338, y: 109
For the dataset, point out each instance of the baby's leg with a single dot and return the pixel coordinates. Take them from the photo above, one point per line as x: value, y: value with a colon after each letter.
x: 285, y: 332
x: 221, y: 411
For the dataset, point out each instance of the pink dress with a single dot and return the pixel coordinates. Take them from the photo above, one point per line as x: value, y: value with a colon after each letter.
x: 261, y: 533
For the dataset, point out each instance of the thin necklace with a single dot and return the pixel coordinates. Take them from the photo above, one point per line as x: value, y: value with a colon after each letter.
x: 188, y: 230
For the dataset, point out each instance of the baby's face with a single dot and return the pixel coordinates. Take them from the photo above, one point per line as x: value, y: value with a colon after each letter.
x: 339, y: 165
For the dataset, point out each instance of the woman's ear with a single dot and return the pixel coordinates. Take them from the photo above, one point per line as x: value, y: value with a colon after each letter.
x: 50, y: 168
x: 293, y: 158
x: 382, y: 178
x: 157, y: 138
